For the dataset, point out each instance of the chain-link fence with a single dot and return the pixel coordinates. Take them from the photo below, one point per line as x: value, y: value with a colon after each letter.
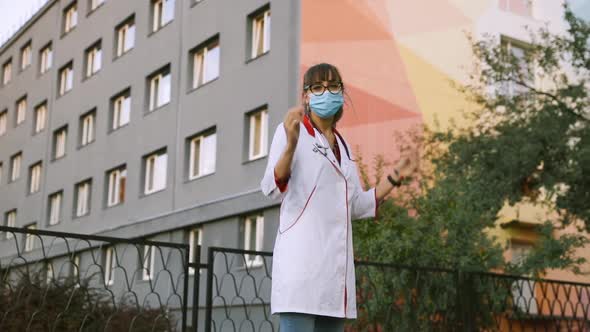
x: 54, y: 281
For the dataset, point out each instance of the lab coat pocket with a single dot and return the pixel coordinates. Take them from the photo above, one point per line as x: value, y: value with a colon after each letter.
x: 292, y: 216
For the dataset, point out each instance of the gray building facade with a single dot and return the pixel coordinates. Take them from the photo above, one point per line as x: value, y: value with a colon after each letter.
x: 150, y: 53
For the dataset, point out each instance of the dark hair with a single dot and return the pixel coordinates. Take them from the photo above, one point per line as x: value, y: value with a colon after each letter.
x: 323, y: 72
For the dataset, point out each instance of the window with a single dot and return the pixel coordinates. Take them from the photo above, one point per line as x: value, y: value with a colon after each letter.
x: 3, y: 121
x: 30, y: 238
x: 523, y: 291
x: 10, y: 222
x: 49, y: 272
x: 7, y: 72
x: 66, y: 78
x: 524, y: 71
x: 46, y: 55
x: 59, y: 142
x: 110, y: 262
x: 87, y: 128
x: 82, y: 192
x: 195, y: 238
x: 162, y: 13
x: 116, y: 186
x: 149, y: 260
x: 258, y: 122
x: 70, y: 18
x: 260, y: 30
x: 159, y: 88
x: 35, y: 178
x: 205, y: 62
x: 55, y: 207
x: 76, y: 267
x: 21, y: 110
x: 120, y: 109
x: 125, y: 36
x: 202, y: 155
x: 155, y: 172
x: 93, y: 59
x: 519, y: 7
x: 1, y: 171
x: 40, y: 117
x: 26, y: 55
x: 253, y: 238
x: 94, y: 4
x: 15, y: 162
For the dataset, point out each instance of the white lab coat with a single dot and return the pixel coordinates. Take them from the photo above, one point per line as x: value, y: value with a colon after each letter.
x: 313, y: 268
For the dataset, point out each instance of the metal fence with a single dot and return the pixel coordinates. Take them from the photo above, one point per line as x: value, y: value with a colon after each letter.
x: 53, y: 281
x: 392, y: 297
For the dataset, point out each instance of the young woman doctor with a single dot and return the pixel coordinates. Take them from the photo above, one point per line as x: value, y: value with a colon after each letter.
x: 312, y: 170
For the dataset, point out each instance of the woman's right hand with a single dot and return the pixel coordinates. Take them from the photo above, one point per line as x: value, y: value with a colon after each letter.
x: 291, y: 123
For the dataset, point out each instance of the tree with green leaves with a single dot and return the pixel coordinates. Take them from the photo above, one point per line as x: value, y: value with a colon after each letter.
x: 527, y: 140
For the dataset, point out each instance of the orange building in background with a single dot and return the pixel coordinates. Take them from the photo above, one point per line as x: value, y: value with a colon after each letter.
x: 399, y: 60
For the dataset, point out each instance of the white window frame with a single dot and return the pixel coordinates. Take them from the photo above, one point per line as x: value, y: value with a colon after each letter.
x: 60, y: 141
x: 126, y: 37
x: 26, y: 56
x: 161, y: 13
x: 40, y: 117
x: 55, y: 202
x: 195, y: 238
x: 158, y: 95
x: 152, y: 164
x: 15, y: 162
x: 3, y: 122
x: 197, y: 171
x: 35, y: 180
x: 149, y: 263
x: 110, y: 263
x: 121, y: 111
x: 83, y: 192
x: 46, y: 56
x: 263, y: 134
x: 30, y: 238
x: 70, y: 18
x: 116, y: 178
x: 10, y: 222
x: 94, y: 4
x: 7, y: 72
x: 66, y: 79
x: 93, y: 60
x: 87, y: 129
x: 258, y: 220
x: 201, y: 65
x: 261, y: 32
x: 21, y: 110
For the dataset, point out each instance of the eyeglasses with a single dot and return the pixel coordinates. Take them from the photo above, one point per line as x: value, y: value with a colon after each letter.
x: 319, y: 89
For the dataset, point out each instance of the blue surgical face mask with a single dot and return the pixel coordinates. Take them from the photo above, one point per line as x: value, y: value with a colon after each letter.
x: 327, y: 104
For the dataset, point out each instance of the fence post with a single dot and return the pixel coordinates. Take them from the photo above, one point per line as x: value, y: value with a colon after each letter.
x: 465, y: 317
x: 209, y: 299
x: 185, y: 292
x: 196, y: 286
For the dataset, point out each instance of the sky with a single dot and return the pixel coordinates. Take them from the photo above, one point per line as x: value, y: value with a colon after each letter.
x: 14, y: 12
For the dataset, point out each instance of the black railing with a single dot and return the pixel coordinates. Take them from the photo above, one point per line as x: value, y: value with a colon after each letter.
x: 392, y: 297
x: 55, y: 281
